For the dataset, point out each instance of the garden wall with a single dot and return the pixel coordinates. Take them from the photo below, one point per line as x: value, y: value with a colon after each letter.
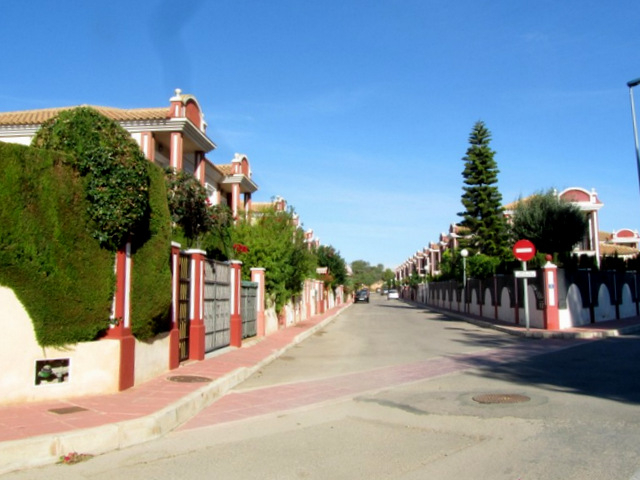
x: 583, y: 297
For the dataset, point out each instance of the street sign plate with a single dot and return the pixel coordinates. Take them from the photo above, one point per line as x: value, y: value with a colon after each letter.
x: 524, y: 250
x: 525, y: 273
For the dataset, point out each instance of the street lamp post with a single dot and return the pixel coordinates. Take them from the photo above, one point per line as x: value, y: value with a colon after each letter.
x: 464, y: 253
x: 632, y: 84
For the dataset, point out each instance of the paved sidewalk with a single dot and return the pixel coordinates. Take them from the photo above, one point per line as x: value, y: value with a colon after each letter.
x: 39, y: 433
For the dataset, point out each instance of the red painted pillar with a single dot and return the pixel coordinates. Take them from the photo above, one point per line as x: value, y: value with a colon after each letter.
x: 236, y: 317
x: 257, y: 275
x: 196, y: 304
x: 174, y: 333
x: 320, y: 297
x: 307, y: 298
x: 120, y: 328
x: 176, y: 151
x: 235, y: 199
x: 200, y: 166
x: 147, y: 143
x: 551, y: 313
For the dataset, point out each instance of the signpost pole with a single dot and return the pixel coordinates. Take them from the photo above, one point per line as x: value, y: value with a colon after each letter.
x: 524, y: 251
x: 525, y: 298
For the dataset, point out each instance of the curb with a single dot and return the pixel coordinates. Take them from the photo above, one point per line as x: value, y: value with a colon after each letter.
x: 519, y: 331
x: 47, y: 449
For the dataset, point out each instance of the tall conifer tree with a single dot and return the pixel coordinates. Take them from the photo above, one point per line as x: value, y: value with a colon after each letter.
x: 481, y: 199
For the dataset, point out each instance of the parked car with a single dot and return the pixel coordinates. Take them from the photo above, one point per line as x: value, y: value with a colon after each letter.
x: 362, y: 296
x: 392, y: 294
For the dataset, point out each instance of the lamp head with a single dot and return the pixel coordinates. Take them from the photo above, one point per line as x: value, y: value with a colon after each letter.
x: 633, y: 83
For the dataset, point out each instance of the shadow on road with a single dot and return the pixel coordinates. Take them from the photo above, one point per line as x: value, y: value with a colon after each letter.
x: 600, y: 368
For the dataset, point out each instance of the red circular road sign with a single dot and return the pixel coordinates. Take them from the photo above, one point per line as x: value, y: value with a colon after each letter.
x: 524, y: 250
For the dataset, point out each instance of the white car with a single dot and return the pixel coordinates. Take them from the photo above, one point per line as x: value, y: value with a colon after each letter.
x: 392, y: 294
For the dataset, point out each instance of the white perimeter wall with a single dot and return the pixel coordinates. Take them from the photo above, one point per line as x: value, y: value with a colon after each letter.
x: 93, y: 366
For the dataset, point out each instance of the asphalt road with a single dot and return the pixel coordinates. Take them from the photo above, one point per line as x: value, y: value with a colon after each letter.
x: 390, y: 391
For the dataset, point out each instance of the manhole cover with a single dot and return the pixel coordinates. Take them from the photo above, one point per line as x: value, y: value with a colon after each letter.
x: 501, y: 398
x: 188, y: 379
x: 67, y: 410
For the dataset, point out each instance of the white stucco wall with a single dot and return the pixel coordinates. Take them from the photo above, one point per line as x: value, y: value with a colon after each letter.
x: 270, y: 321
x: 152, y: 358
x: 505, y: 312
x: 536, y: 317
x: 604, y: 310
x: 90, y: 368
x: 474, y: 308
x: 577, y: 314
x: 21, y: 140
x: 628, y: 308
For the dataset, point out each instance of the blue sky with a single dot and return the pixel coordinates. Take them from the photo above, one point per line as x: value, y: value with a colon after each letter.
x: 359, y: 112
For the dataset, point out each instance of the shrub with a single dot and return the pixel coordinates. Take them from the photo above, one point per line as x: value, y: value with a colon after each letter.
x: 274, y: 242
x: 103, y: 190
x: 57, y: 270
x: 104, y: 153
x: 151, y: 277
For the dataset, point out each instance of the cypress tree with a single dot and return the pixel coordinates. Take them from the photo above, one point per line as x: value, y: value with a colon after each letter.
x: 483, y: 216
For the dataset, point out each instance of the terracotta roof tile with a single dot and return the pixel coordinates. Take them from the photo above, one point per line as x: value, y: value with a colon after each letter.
x: 604, y: 236
x: 36, y: 117
x: 261, y: 206
x: 227, y: 168
x: 611, y: 249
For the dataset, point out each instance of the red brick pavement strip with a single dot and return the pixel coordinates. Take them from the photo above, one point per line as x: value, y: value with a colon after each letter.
x: 22, y: 421
x: 278, y: 398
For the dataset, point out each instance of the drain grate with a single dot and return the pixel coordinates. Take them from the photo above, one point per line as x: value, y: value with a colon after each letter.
x: 501, y: 398
x: 188, y: 379
x: 67, y: 410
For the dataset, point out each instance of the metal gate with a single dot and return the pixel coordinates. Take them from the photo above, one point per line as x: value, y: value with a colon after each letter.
x: 217, y: 303
x: 248, y: 308
x: 183, y: 306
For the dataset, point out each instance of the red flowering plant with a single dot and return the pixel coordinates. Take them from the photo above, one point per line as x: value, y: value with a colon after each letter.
x: 240, y: 248
x: 74, y: 457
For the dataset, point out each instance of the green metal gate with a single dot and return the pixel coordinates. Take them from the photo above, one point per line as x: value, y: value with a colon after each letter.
x: 248, y: 308
x: 184, y: 305
x: 217, y: 305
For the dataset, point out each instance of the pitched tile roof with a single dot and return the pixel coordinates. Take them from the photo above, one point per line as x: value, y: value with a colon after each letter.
x: 36, y: 117
x: 608, y: 249
x: 604, y: 236
x: 261, y: 206
x: 227, y: 168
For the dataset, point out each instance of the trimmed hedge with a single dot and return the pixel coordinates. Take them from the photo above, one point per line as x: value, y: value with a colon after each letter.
x: 57, y: 270
x: 151, y: 277
x: 117, y: 182
x: 63, y: 217
x: 127, y: 200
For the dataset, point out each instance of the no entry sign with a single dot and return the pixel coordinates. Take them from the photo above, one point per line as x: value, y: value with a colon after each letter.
x: 524, y: 250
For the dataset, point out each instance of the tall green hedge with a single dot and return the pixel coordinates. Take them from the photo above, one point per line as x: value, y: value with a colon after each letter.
x: 127, y: 201
x: 47, y: 256
x: 151, y: 282
x: 64, y: 216
x: 113, y: 165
